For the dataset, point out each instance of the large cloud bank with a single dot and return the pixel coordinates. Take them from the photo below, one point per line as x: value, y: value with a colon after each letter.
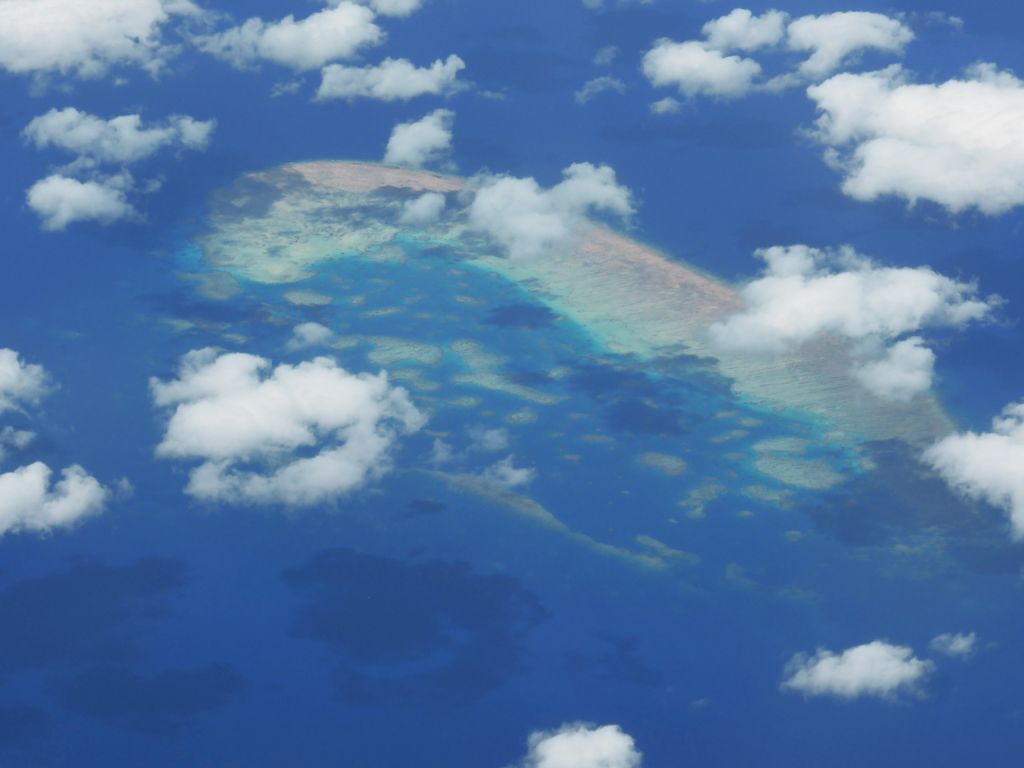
x: 806, y: 292
x: 579, y: 745
x: 526, y: 220
x: 956, y: 143
x: 876, y: 669
x: 987, y: 466
x: 295, y: 435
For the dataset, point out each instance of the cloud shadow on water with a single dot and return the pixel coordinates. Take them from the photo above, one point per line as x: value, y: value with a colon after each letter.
x: 525, y: 316
x: 433, y: 634
x: 161, y: 704
x: 80, y: 615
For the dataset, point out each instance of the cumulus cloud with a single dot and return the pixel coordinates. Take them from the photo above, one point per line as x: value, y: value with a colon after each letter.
x: 12, y: 439
x: 122, y: 139
x: 72, y: 37
x: 422, y: 141
x: 391, y: 80
x: 296, y: 435
x: 955, y: 143
x: 60, y: 200
x: 987, y: 466
x: 527, y: 220
x: 388, y: 7
x: 30, y: 501
x: 742, y: 30
x: 21, y: 383
x: 666, y: 106
x: 833, y: 38
x: 597, y: 86
x: 696, y: 69
x: 958, y: 645
x: 505, y: 474
x: 581, y: 745
x: 309, y: 335
x: 423, y: 210
x: 806, y: 292
x: 876, y: 669
x: 334, y: 33
x: 905, y: 370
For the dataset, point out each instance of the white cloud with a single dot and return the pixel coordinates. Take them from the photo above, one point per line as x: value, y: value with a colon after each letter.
x: 742, y: 30
x: 905, y: 370
x: 309, y: 43
x: 246, y: 421
x: 988, y: 466
x: 121, y: 139
x: 421, y: 142
x: 597, y: 86
x: 697, y: 70
x: 805, y: 292
x: 21, y: 383
x: 28, y: 501
x: 60, y: 200
x: 75, y: 37
x: 505, y: 474
x: 14, y: 439
x: 957, y: 645
x: 309, y: 335
x: 606, y: 55
x: 956, y: 143
x: 391, y: 80
x: 833, y: 38
x: 666, y: 106
x: 424, y: 210
x: 527, y: 220
x: 580, y: 745
x: 488, y: 440
x: 388, y: 7
x: 876, y: 669
x: 595, y: 5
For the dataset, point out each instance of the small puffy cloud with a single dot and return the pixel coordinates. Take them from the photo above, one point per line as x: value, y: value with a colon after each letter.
x: 21, y: 383
x: 742, y: 30
x: 597, y: 86
x: 695, y: 69
x: 423, y: 210
x: 606, y: 55
x: 905, y: 370
x: 505, y: 474
x: 391, y: 80
x: 876, y: 669
x: 309, y: 335
x: 123, y: 139
x: 527, y: 220
x: 296, y: 435
x: 805, y: 292
x: 12, y: 439
x: 987, y: 466
x: 833, y: 38
x: 958, y: 645
x: 955, y: 143
x: 334, y: 33
x: 422, y: 141
x: 74, y: 37
x: 666, y: 106
x: 581, y: 745
x: 488, y: 440
x: 388, y: 7
x: 60, y: 200
x: 30, y: 501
